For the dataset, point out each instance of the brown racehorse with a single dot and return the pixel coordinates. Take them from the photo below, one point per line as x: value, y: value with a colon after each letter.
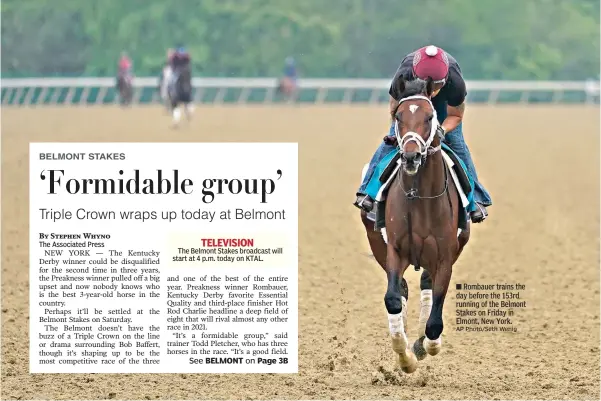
x: 287, y: 87
x: 125, y: 88
x: 180, y: 93
x: 421, y: 225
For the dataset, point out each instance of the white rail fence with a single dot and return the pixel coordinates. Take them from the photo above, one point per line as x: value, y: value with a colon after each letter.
x: 73, y: 91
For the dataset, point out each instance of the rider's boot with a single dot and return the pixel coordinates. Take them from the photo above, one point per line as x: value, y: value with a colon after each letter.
x: 364, y: 201
x: 480, y: 214
x: 456, y: 142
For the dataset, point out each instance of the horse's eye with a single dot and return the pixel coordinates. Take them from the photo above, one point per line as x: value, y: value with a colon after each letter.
x: 397, y: 116
x: 429, y: 118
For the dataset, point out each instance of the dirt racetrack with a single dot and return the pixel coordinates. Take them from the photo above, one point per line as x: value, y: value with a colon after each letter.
x: 541, y: 165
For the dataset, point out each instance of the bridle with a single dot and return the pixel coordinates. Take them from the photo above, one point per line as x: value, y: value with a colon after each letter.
x: 424, y: 147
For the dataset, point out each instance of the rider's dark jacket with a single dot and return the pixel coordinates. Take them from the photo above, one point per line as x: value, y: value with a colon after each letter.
x: 179, y: 60
x: 453, y: 93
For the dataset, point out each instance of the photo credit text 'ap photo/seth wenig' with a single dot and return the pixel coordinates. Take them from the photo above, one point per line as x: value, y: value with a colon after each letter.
x: 163, y: 258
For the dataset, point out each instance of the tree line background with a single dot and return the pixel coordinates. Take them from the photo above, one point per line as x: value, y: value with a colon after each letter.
x: 491, y: 39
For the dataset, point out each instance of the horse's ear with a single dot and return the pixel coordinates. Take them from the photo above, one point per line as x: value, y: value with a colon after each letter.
x: 429, y: 86
x: 400, y: 85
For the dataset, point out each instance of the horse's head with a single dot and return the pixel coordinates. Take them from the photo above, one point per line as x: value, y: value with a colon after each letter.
x: 415, y: 123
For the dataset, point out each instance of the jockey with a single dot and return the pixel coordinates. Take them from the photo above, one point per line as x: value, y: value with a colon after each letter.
x: 449, y: 101
x: 290, y: 69
x: 125, y: 65
x: 179, y: 60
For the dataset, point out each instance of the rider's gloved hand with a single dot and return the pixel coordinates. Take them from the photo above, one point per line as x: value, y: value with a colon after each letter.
x: 390, y: 140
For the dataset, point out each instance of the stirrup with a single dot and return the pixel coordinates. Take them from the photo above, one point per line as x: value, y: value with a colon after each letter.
x: 364, y: 202
x: 478, y: 216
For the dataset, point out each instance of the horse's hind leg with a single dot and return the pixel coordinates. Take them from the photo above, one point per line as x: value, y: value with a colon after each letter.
x: 425, y: 286
x: 434, y: 325
x: 463, y: 239
x: 395, y: 267
x: 189, y: 109
x: 376, y: 242
x: 176, y: 113
x: 166, y: 102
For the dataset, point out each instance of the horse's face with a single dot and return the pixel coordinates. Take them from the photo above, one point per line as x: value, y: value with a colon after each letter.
x: 415, y: 124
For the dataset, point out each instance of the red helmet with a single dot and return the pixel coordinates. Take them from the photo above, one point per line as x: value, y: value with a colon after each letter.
x: 431, y: 61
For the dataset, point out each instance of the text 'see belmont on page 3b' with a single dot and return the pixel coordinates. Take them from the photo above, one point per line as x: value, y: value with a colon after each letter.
x: 163, y: 258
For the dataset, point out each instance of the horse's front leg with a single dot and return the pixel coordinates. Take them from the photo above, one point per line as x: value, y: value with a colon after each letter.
x: 434, y: 326
x: 425, y: 301
x: 395, y: 301
x: 176, y: 113
x: 189, y: 109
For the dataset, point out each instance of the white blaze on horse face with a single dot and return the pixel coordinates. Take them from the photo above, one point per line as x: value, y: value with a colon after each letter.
x: 413, y: 108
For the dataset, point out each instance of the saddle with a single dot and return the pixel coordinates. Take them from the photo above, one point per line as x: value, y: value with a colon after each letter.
x: 378, y: 185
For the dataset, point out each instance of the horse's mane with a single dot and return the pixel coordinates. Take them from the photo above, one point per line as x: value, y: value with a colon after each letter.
x: 414, y: 87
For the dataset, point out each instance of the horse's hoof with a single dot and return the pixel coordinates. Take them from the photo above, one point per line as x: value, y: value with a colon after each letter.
x: 399, y: 345
x: 419, y: 350
x: 433, y: 347
x: 409, y: 365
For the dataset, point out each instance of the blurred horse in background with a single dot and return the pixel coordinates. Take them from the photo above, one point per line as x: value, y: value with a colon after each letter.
x: 287, y: 85
x: 125, y: 88
x: 288, y: 88
x: 180, y: 93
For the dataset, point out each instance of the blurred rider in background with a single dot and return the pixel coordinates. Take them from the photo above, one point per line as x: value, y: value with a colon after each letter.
x: 125, y: 79
x: 179, y: 60
x: 288, y: 83
x: 180, y: 64
x: 290, y: 69
x: 125, y: 65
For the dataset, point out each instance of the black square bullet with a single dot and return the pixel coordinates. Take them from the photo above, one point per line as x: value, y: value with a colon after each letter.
x: 458, y: 286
